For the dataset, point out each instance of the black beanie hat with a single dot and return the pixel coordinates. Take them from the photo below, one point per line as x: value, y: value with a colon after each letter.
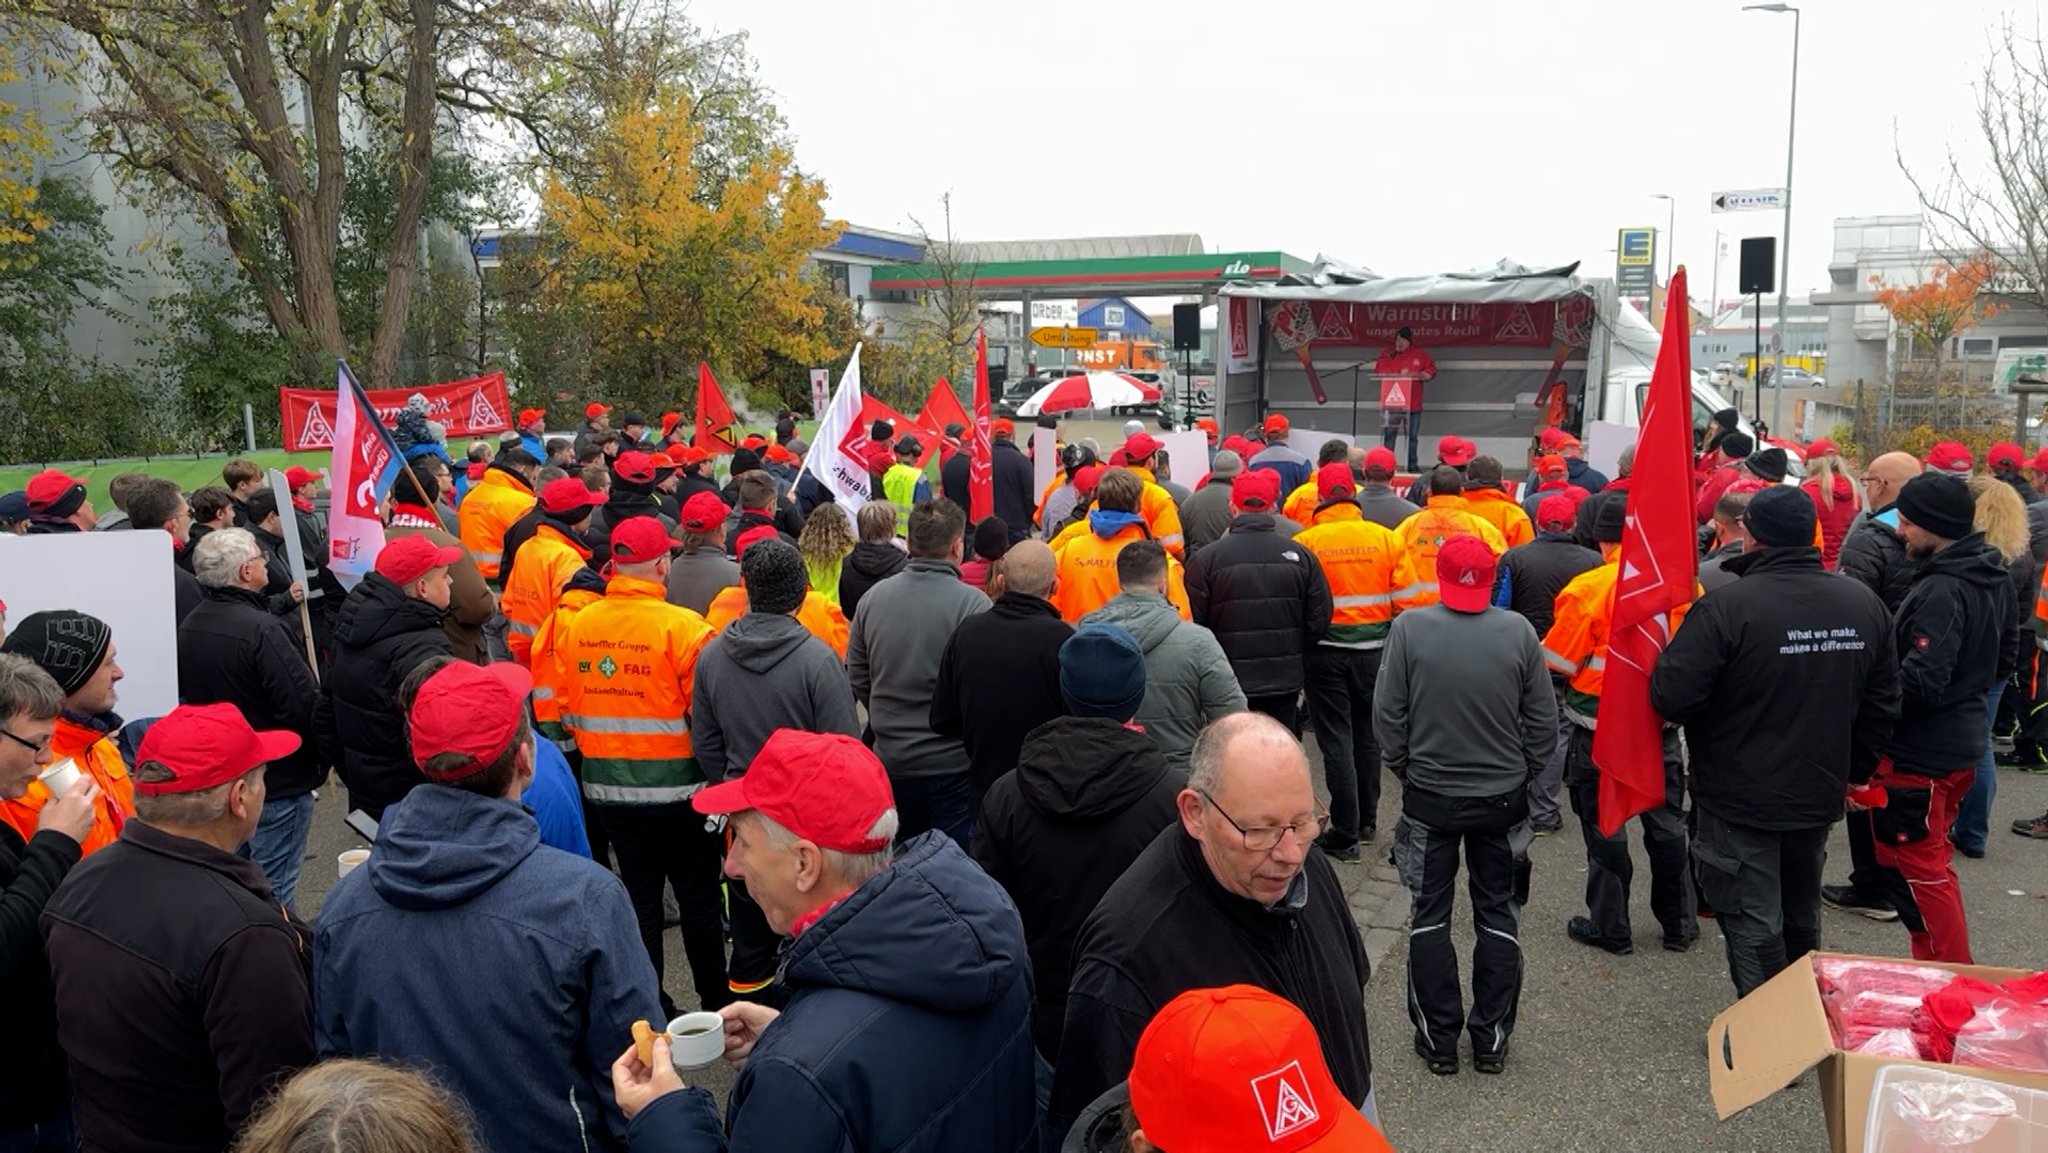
x: 1728, y: 418
x: 991, y: 538
x: 1608, y: 520
x: 1737, y: 445
x: 1768, y: 463
x: 1781, y: 517
x: 745, y: 460
x: 1937, y: 502
x: 65, y: 643
x: 882, y: 431
x: 775, y: 578
x: 1102, y: 673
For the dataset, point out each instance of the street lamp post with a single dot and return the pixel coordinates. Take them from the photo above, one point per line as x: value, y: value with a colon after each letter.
x: 1670, y: 230
x: 1784, y: 242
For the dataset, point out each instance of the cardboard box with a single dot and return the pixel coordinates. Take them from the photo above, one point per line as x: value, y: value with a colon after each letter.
x: 1765, y: 1041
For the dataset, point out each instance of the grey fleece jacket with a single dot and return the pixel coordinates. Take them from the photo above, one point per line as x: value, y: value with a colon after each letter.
x: 1188, y: 680
x: 1464, y: 707
x: 897, y: 641
x: 764, y: 672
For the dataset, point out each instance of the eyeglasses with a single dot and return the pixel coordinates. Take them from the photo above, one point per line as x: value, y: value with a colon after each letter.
x: 25, y: 743
x: 1266, y: 840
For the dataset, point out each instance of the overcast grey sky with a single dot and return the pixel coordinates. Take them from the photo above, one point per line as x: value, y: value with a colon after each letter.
x: 1409, y: 138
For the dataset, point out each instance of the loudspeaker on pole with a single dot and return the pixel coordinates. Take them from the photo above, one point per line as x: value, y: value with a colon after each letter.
x: 1187, y: 327
x: 1759, y: 264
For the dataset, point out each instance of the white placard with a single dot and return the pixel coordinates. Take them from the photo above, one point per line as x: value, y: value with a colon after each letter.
x: 1045, y: 458
x: 288, y: 528
x: 1604, y: 442
x: 1187, y: 453
x: 124, y: 579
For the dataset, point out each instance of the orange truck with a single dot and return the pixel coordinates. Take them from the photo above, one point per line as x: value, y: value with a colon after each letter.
x: 1122, y: 355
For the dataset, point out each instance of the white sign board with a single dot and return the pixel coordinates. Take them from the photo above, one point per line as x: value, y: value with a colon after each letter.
x: 288, y: 528
x: 1187, y: 455
x: 1750, y: 200
x: 1604, y: 442
x: 1045, y: 458
x: 124, y: 579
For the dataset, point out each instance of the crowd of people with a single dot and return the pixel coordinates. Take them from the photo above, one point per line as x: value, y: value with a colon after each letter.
x: 989, y: 836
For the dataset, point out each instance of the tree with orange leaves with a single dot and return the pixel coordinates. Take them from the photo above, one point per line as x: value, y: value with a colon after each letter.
x: 1945, y: 305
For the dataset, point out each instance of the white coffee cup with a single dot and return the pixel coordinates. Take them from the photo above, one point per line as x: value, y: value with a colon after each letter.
x: 696, y: 1040
x: 349, y: 859
x: 59, y: 777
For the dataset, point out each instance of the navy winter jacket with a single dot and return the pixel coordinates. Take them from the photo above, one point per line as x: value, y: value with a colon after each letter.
x: 908, y: 1029
x: 467, y: 947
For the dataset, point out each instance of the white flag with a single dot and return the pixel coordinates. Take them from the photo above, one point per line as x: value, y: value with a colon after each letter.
x: 834, y: 457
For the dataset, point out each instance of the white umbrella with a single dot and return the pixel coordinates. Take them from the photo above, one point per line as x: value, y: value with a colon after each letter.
x: 1089, y: 390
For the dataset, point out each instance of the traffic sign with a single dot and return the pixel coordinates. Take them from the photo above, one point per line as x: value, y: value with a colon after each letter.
x: 1750, y: 200
x: 1063, y: 337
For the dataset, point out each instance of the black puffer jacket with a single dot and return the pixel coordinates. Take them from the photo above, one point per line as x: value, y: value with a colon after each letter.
x: 623, y: 504
x: 33, y: 1083
x: 1265, y: 598
x: 1950, y: 632
x: 1087, y: 796
x: 1875, y: 554
x: 869, y: 564
x: 232, y: 649
x: 1532, y: 574
x: 380, y: 636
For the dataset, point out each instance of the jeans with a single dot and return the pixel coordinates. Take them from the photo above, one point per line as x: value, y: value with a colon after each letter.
x: 1609, y: 868
x: 1917, y: 865
x: 1340, y: 686
x: 1764, y: 885
x: 53, y: 1136
x: 669, y: 843
x: 1435, y: 1002
x: 1392, y: 432
x: 944, y: 802
x: 278, y: 845
x: 1973, y: 817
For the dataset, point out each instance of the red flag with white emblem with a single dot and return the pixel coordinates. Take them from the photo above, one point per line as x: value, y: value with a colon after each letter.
x: 981, y: 480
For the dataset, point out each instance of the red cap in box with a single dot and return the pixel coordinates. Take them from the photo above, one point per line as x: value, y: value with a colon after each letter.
x: 1140, y: 446
x: 1456, y: 451
x: 1381, y: 461
x: 1551, y: 466
x: 297, y: 477
x: 1002, y: 426
x: 669, y: 420
x: 2040, y: 461
x: 409, y: 558
x: 50, y: 488
x: 754, y: 536
x: 1255, y: 489
x: 1333, y: 482
x: 703, y: 512
x: 567, y: 494
x: 1952, y: 458
x: 827, y: 788
x: 1087, y: 477
x: 639, y: 539
x: 593, y: 410
x: 532, y: 417
x: 469, y: 709
x: 1276, y: 425
x: 1556, y: 512
x: 637, y: 467
x: 1464, y: 573
x: 207, y: 745
x: 1825, y: 447
x: 2005, y: 455
x: 1208, y: 428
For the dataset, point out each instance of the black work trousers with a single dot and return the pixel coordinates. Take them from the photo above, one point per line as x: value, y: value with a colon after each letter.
x: 1435, y: 1001
x: 1764, y: 885
x: 756, y: 949
x: 1610, y: 870
x: 669, y: 843
x: 1282, y: 707
x: 1340, y: 686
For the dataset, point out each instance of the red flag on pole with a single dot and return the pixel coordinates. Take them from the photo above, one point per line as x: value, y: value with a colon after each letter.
x: 981, y: 479
x: 714, y: 416
x: 941, y: 409
x: 1659, y: 570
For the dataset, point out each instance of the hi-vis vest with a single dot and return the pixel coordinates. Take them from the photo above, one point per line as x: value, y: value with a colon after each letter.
x: 550, y: 673
x: 632, y: 660
x: 1365, y: 564
x: 1576, y: 646
x: 1161, y: 515
x: 817, y: 614
x: 539, y: 574
x: 1423, y: 536
x: 1500, y: 510
x: 899, y: 486
x: 490, y: 508
x: 1087, y: 574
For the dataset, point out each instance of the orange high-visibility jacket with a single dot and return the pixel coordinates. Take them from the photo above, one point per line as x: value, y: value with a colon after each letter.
x: 632, y: 660
x: 550, y: 673
x: 1301, y: 504
x: 1087, y: 574
x: 1576, y: 645
x: 539, y: 574
x: 1423, y: 534
x: 1161, y: 515
x: 490, y: 508
x: 96, y: 757
x: 1500, y: 510
x: 1365, y: 564
x: 817, y: 614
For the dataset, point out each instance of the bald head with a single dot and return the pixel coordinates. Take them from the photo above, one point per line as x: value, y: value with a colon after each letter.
x: 1028, y: 568
x: 1250, y: 805
x: 1247, y: 752
x: 1887, y: 475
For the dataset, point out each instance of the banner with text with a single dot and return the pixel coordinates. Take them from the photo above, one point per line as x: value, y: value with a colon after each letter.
x: 472, y: 407
x: 1351, y: 324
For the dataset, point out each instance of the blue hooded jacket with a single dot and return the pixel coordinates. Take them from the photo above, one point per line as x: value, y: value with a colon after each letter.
x: 908, y: 1028
x: 513, y: 971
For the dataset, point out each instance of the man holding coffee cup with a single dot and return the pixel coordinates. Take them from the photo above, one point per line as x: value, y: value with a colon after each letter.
x: 77, y: 650
x: 35, y: 1098
x: 465, y: 945
x: 909, y: 1018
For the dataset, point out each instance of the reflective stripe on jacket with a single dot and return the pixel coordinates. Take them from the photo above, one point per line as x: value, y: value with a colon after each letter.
x: 1576, y: 645
x: 540, y: 571
x: 1161, y: 515
x: 490, y: 508
x: 1423, y: 534
x: 631, y: 660
x: 819, y: 616
x: 550, y: 673
x: 1365, y: 564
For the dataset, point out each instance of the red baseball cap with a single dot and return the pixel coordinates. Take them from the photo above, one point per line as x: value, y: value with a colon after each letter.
x: 1087, y: 477
x: 2040, y: 461
x: 1333, y: 482
x: 1551, y: 465
x: 409, y: 558
x: 297, y: 477
x: 1464, y: 573
x: 593, y: 410
x: 1951, y: 458
x: 688, y: 454
x: 470, y: 709
x: 1208, y: 427
x: 669, y: 420
x: 1456, y: 451
x: 1238, y: 445
x: 532, y: 417
x: 753, y: 440
x: 1236, y: 1069
x: 1381, y: 460
x: 661, y: 460
x: 754, y: 536
x: 1140, y: 446
x: 52, y: 487
x: 1825, y: 447
x: 1003, y: 426
x: 567, y: 494
x: 2006, y: 455
x: 703, y: 512
x: 1257, y: 489
x: 207, y: 745
x: 639, y: 539
x: 1552, y: 438
x: 1556, y: 512
x: 637, y: 467
x: 778, y: 454
x: 1276, y: 424
x: 827, y: 788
